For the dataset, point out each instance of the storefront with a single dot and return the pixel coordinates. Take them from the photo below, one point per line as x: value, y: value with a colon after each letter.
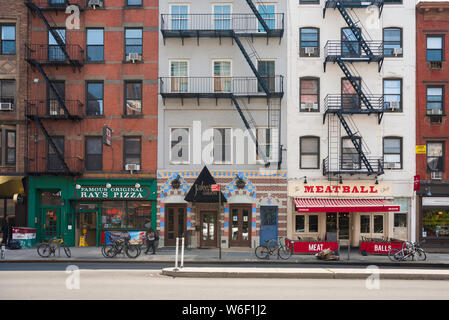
x: 86, y: 211
x: 347, y: 213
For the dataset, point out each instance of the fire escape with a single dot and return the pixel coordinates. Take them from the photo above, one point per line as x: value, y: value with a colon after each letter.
x: 241, y: 27
x: 353, y: 48
x: 43, y: 111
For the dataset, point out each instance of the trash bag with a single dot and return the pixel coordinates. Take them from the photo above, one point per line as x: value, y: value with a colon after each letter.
x: 14, y: 245
x: 327, y: 254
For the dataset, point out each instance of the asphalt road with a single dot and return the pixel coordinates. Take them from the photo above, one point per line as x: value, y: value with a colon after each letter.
x: 128, y: 281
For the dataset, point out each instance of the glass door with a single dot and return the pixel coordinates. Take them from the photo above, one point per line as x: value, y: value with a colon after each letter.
x: 239, y: 227
x: 50, y: 223
x: 343, y: 226
x: 208, y: 229
x: 175, y: 224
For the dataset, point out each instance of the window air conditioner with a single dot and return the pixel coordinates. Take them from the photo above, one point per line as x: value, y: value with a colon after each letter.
x: 132, y: 167
x: 95, y: 3
x: 309, y: 50
x: 394, y: 105
x: 436, y: 175
x: 309, y: 106
x: 436, y: 111
x: 133, y: 56
x: 5, y: 106
x: 397, y: 51
x: 391, y: 165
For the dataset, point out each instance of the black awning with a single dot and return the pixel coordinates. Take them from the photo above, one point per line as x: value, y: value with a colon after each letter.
x: 201, y: 189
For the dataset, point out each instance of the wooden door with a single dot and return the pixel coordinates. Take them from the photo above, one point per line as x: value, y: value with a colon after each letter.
x: 208, y: 229
x: 240, y: 226
x: 175, y: 223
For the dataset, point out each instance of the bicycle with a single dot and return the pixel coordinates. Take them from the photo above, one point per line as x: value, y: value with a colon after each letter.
x: 272, y: 247
x: 48, y: 248
x: 408, y: 250
x: 121, y: 246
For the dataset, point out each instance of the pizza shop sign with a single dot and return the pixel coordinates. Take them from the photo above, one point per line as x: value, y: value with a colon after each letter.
x: 115, y: 193
x: 334, y: 189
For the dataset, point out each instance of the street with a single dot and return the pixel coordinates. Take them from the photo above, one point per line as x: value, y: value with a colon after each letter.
x: 131, y: 281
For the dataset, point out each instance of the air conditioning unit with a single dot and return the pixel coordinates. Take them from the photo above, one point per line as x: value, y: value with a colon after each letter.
x: 309, y: 106
x: 391, y: 165
x: 133, y: 56
x: 436, y: 175
x: 394, y: 105
x: 435, y: 111
x: 132, y: 167
x: 397, y: 51
x: 95, y: 3
x: 5, y: 106
x: 309, y: 50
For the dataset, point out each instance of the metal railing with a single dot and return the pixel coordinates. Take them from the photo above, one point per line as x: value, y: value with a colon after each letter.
x: 352, y: 49
x: 353, y: 165
x: 53, y: 54
x: 219, y: 85
x: 353, y: 103
x: 58, y: 4
x: 50, y: 164
x: 51, y: 108
x: 240, y: 23
x: 354, y: 3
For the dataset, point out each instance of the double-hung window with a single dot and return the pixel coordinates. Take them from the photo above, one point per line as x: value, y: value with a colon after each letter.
x: 264, y: 143
x: 268, y: 13
x: 8, y: 39
x: 94, y: 99
x: 55, y: 51
x: 133, y: 98
x: 222, y: 76
x: 7, y: 93
x: 95, y: 45
x: 179, y: 145
x: 132, y: 150
x: 53, y: 161
x: 133, y: 42
x: 309, y: 148
x: 435, y: 158
x: 434, y: 49
x: 94, y: 153
x: 434, y: 100
x: 309, y: 42
x: 309, y: 94
x: 179, y: 17
x: 392, y: 153
x: 393, y: 42
x: 222, y: 17
x: 392, y: 94
x: 179, y: 81
x: 350, y: 157
x: 134, y: 3
x: 222, y: 145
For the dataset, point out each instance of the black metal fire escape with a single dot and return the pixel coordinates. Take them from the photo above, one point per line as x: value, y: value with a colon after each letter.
x: 35, y: 63
x: 368, y: 56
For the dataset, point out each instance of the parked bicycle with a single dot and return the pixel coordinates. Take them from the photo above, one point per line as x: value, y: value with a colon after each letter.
x: 48, y: 248
x: 408, y: 250
x: 121, y: 246
x: 272, y: 247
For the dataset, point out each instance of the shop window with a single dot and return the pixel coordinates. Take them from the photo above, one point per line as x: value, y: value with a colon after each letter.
x: 51, y: 198
x: 400, y: 220
x: 313, y: 223
x: 436, y: 224
x: 95, y: 45
x: 378, y: 224
x: 8, y: 39
x: 125, y: 214
x: 365, y: 224
x: 113, y: 215
x: 299, y: 223
x: 138, y: 213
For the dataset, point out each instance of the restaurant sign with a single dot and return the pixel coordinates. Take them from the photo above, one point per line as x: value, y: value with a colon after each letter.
x: 298, y: 189
x: 114, y: 193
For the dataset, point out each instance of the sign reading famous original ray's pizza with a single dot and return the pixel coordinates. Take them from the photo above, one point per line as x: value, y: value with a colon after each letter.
x: 297, y: 189
x: 115, y: 193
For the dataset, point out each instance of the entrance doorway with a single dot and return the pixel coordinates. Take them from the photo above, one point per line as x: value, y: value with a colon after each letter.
x: 208, y: 229
x: 86, y: 224
x: 268, y: 223
x: 338, y: 226
x: 50, y: 223
x: 240, y: 226
x: 175, y: 223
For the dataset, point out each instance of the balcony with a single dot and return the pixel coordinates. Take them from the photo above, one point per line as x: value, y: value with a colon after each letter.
x: 219, y: 25
x: 354, y: 3
x: 57, y: 5
x: 45, y: 164
x: 52, y: 109
x: 352, y: 51
x: 352, y: 104
x: 53, y: 55
x: 353, y: 165
x: 219, y: 87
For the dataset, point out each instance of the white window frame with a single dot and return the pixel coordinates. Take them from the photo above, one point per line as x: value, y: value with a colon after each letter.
x: 257, y: 158
x: 213, y: 73
x: 170, y: 147
x: 170, y: 61
x: 213, y: 14
x: 171, y: 5
x: 275, y: 12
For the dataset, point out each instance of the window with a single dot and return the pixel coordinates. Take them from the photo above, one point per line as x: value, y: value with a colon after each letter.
x: 267, y: 11
x: 435, y: 158
x: 179, y: 18
x: 393, y: 1
x: 222, y: 17
x: 434, y: 101
x: 393, y: 42
x: 125, y: 214
x: 436, y: 223
x: 350, y: 46
x: 222, y: 145
x: 133, y: 42
x: 400, y: 220
x: 365, y: 224
x: 434, y: 49
x: 55, y: 52
x: 309, y: 1
x: 222, y: 76
x: 309, y: 39
x: 313, y: 223
x: 392, y: 153
x: 8, y: 91
x: 10, y: 147
x: 179, y: 81
x: 350, y: 100
x: 53, y: 161
x: 350, y: 157
x: 264, y: 143
x: 179, y: 145
x: 378, y: 223
x: 132, y: 150
x: 95, y: 45
x: 94, y: 153
x: 309, y: 90
x: 133, y: 98
x: 266, y: 69
x: 8, y: 39
x: 94, y: 99
x: 309, y: 153
x: 54, y: 108
x: 392, y: 94
x: 300, y: 223
x: 133, y: 2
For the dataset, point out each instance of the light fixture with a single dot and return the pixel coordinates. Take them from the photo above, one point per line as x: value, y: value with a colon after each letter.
x: 77, y: 186
x: 377, y: 181
x: 108, y: 185
x: 305, y: 179
x: 429, y: 194
x: 137, y: 185
x: 340, y: 180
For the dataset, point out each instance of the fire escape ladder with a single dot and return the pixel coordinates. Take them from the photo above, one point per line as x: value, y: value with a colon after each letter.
x: 356, y: 143
x: 52, y: 144
x: 259, y: 16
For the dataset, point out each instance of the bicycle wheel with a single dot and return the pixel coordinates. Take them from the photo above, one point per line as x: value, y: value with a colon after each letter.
x: 67, y: 251
x: 44, y: 250
x: 132, y: 251
x: 284, y: 253
x: 262, y: 252
x: 105, y: 250
x: 396, y: 255
x: 420, y: 254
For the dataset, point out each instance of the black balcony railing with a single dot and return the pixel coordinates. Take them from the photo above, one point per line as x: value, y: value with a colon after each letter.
x: 54, y: 55
x: 57, y: 4
x: 209, y: 25
x: 46, y: 164
x: 353, y: 164
x: 352, y: 50
x: 209, y: 87
x: 52, y: 109
x: 354, y: 3
x: 351, y: 103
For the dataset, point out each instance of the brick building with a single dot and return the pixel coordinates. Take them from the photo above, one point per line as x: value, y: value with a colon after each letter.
x: 13, y: 33
x: 432, y: 125
x: 92, y: 118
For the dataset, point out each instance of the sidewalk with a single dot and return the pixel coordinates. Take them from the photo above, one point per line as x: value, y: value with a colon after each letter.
x: 229, y: 256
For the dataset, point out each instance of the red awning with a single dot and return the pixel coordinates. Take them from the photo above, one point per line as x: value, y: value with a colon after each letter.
x: 344, y: 205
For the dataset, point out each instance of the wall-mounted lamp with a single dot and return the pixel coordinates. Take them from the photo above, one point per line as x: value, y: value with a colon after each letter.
x: 305, y: 179
x: 429, y: 194
x: 340, y: 180
x: 77, y: 186
x: 137, y: 185
x: 377, y: 181
x: 108, y: 185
